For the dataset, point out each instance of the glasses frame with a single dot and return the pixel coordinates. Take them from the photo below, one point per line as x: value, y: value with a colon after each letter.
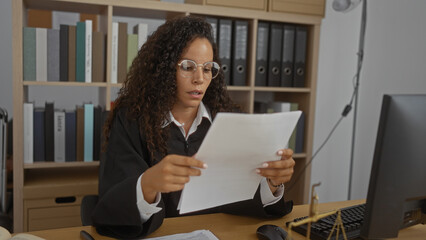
x: 197, y: 66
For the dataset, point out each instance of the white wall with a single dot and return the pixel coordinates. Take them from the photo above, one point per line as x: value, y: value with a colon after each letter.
x: 6, y: 55
x: 394, y: 62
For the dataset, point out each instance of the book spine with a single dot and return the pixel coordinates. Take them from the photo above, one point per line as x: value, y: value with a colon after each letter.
x: 122, y: 52
x: 28, y: 132
x: 39, y: 139
x: 80, y: 134
x: 132, y: 49
x: 53, y: 58
x: 59, y: 132
x: 71, y: 53
x: 80, y: 52
x: 141, y: 30
x: 88, y: 132
x: 49, y: 131
x: 70, y: 136
x: 98, y: 71
x: 88, y: 51
x: 63, y: 52
x: 114, y: 52
x: 29, y: 53
x: 41, y: 54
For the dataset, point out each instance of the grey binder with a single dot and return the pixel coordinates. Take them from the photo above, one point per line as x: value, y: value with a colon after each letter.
x: 239, y: 54
x: 274, y: 64
x: 224, y: 37
x: 300, y: 56
x: 213, y: 22
x: 287, y: 56
x: 262, y: 54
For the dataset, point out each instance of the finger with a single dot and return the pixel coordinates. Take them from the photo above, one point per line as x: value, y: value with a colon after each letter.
x: 285, y: 153
x: 172, y: 187
x: 275, y: 173
x: 178, y: 170
x: 188, y: 161
x: 287, y: 163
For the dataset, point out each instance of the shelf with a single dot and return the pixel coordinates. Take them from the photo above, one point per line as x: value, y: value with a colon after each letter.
x: 42, y: 165
x: 75, y: 84
x: 282, y: 89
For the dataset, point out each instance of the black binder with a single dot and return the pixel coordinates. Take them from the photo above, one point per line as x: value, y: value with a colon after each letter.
x: 213, y: 23
x: 287, y: 56
x: 300, y: 56
x: 224, y: 40
x: 274, y: 64
x: 49, y: 131
x: 239, y: 53
x: 262, y: 54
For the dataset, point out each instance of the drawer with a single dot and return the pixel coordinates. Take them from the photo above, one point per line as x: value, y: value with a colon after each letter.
x: 311, y: 7
x: 248, y: 4
x: 53, y: 217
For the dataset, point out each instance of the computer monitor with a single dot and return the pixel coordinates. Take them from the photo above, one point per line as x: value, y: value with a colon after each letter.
x: 397, y: 191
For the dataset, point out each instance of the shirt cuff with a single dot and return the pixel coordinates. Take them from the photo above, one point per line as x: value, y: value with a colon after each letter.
x: 266, y: 195
x: 146, y: 210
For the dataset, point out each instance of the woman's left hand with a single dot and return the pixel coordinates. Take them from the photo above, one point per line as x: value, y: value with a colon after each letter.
x: 280, y: 171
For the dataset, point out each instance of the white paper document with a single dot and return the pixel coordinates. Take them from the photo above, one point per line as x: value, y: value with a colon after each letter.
x: 195, y: 235
x: 235, y: 145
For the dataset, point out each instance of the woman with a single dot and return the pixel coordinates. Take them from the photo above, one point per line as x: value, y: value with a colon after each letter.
x: 172, y: 92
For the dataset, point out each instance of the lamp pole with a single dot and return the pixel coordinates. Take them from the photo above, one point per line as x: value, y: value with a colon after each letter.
x: 356, y: 88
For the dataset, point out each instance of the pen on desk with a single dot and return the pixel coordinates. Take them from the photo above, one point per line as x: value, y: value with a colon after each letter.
x: 85, y: 235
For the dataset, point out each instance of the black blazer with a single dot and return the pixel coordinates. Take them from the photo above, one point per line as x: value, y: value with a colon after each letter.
x: 127, y: 157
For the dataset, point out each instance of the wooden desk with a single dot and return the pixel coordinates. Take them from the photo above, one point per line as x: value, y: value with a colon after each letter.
x: 226, y: 226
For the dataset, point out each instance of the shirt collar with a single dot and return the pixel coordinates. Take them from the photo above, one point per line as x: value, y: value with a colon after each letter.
x: 203, y: 112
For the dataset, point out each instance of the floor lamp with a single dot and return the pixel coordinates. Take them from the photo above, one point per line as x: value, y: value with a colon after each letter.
x: 346, y: 6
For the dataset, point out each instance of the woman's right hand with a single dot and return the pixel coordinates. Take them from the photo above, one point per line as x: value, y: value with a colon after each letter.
x: 169, y: 175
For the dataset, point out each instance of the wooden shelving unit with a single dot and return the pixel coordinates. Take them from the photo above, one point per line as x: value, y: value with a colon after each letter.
x: 29, y: 178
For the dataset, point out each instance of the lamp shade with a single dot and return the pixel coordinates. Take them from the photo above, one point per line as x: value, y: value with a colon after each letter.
x: 345, y: 5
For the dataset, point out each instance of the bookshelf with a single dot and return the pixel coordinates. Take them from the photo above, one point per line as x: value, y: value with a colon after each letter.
x: 31, y: 179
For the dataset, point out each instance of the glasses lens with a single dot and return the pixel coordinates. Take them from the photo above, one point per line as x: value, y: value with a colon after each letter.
x: 211, y: 70
x: 187, y: 68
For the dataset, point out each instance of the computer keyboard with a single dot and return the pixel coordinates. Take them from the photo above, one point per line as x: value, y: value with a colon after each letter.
x: 352, y: 218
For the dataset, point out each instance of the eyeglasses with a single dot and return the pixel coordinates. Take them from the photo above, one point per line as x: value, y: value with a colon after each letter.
x: 189, y: 67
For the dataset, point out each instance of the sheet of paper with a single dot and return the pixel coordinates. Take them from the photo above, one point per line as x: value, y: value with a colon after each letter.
x: 195, y: 235
x: 235, y: 145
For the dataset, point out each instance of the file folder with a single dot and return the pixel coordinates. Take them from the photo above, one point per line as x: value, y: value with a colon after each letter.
x: 287, y: 56
x: 239, y: 56
x: 274, y: 64
x: 224, y: 37
x: 213, y: 22
x: 262, y: 54
x: 300, y: 56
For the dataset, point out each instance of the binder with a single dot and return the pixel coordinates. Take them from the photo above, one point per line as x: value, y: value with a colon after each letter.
x: 262, y: 54
x: 70, y: 136
x: 49, y: 131
x: 300, y: 56
x: 53, y: 55
x: 274, y: 63
x: 213, y: 22
x: 59, y: 133
x: 88, y: 133
x: 224, y: 37
x: 287, y: 56
x: 239, y: 55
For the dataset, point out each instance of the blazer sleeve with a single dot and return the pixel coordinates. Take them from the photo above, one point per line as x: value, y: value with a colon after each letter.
x: 126, y: 158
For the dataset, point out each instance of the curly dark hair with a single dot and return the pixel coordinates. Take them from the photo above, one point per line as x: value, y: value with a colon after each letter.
x: 149, y: 91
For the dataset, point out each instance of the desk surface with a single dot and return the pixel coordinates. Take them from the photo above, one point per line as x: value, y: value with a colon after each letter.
x: 226, y: 226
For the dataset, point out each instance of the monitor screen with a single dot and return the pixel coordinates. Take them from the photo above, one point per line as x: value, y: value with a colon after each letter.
x: 397, y: 190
